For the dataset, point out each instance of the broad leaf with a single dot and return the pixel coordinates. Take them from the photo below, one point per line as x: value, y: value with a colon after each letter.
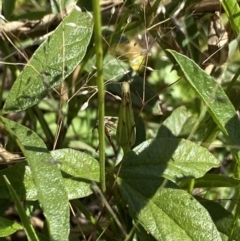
x: 30, y: 232
x: 166, y: 212
x: 221, y: 217
x: 77, y: 164
x: 8, y: 227
x: 179, y: 123
x: 78, y: 169
x: 47, y: 178
x: 53, y: 61
x: 214, y: 97
x: 174, y: 159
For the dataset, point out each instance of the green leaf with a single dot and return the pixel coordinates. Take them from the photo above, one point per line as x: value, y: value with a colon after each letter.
x: 15, y: 175
x: 179, y: 123
x: 47, y: 178
x: 165, y: 211
x: 8, y: 8
x: 77, y: 164
x: 143, y: 235
x: 114, y: 68
x: 174, y: 159
x: 221, y: 217
x: 232, y: 10
x: 24, y: 218
x: 78, y: 169
x: 186, y: 38
x: 214, y: 97
x: 8, y: 227
x: 63, y: 5
x: 53, y: 61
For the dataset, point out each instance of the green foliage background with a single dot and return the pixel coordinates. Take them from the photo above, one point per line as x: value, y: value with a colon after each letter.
x: 181, y: 179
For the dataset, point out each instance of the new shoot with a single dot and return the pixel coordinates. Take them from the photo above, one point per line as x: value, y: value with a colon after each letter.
x: 126, y: 130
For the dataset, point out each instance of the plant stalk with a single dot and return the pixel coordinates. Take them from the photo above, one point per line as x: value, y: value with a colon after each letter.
x: 100, y: 85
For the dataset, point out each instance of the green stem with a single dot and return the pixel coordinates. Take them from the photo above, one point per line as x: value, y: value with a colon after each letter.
x: 100, y: 85
x: 30, y: 232
x: 130, y: 234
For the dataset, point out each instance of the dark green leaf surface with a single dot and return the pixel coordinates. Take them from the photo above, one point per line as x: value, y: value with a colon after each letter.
x: 47, y: 178
x: 8, y: 8
x: 63, y: 50
x: 165, y: 211
x: 8, y: 227
x: 221, y: 217
x: 15, y: 174
x: 174, y: 159
x: 214, y: 97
